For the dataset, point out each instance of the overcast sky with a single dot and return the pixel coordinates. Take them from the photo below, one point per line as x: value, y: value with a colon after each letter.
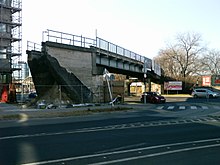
x: 142, y: 26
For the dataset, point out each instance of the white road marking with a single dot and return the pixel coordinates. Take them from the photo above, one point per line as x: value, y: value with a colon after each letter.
x: 205, y: 107
x: 104, y: 128
x: 160, y: 107
x: 182, y: 107
x: 170, y: 107
x: 193, y: 107
x: 216, y: 107
x: 136, y: 150
x: 156, y: 154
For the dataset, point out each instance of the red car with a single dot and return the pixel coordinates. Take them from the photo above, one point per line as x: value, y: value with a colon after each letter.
x: 153, y: 97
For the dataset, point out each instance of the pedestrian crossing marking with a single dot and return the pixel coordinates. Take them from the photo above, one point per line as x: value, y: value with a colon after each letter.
x: 182, y: 107
x: 205, y: 107
x: 216, y: 107
x: 193, y: 107
x: 160, y: 107
x: 187, y: 107
x: 170, y: 107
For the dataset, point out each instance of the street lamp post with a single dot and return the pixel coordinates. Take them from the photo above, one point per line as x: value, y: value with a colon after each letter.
x: 107, y: 76
x: 145, y: 99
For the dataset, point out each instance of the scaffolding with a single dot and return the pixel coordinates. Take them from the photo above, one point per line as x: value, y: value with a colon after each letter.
x: 10, y: 43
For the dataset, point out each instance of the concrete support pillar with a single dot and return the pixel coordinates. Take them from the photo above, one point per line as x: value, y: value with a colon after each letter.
x: 94, y: 68
x: 149, y: 84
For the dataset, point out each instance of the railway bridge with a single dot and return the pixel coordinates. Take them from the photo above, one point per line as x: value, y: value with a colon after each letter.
x: 71, y: 66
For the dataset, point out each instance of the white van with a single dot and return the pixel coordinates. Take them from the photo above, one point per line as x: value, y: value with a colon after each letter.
x: 203, y: 92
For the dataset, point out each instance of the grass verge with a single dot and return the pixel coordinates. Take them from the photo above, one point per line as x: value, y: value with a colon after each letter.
x: 51, y: 114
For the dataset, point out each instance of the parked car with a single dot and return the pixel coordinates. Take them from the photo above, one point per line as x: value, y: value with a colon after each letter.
x: 203, y: 92
x: 153, y: 97
x: 32, y: 95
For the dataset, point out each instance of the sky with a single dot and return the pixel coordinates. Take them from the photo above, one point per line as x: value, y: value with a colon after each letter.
x: 141, y: 26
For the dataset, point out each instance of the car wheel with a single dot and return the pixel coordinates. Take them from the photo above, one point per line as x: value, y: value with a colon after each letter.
x: 142, y: 100
x: 210, y: 96
x: 195, y: 96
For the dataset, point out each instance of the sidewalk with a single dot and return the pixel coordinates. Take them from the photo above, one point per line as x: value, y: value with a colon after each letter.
x: 13, y: 112
x: 17, y: 117
x: 176, y: 95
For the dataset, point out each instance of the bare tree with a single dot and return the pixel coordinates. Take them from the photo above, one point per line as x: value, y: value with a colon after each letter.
x: 180, y: 60
x: 211, y: 62
x: 170, y: 67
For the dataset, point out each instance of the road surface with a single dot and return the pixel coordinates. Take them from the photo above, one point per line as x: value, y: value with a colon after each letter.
x: 116, y: 140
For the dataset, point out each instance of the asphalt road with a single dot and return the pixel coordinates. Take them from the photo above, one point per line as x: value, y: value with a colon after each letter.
x: 178, y: 98
x: 116, y: 140
x: 192, y: 100
x: 150, y: 134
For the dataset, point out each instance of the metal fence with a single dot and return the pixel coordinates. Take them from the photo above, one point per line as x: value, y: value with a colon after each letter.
x: 99, y: 43
x: 61, y: 95
x: 76, y: 40
x: 33, y: 46
x: 66, y: 38
x: 105, y: 45
x: 64, y: 93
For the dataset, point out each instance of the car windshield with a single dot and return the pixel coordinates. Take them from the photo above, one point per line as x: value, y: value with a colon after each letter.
x: 155, y: 94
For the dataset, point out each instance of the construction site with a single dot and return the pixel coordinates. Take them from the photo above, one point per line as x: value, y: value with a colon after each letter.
x: 10, y: 49
x: 78, y: 78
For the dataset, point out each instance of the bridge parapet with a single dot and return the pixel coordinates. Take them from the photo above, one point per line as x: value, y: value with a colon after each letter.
x: 66, y: 38
x: 108, y: 46
x: 33, y: 46
x: 76, y: 40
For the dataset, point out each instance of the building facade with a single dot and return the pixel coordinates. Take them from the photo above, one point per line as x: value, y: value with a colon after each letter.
x: 10, y: 47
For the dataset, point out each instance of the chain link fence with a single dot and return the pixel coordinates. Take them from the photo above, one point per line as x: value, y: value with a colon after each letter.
x: 64, y: 95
